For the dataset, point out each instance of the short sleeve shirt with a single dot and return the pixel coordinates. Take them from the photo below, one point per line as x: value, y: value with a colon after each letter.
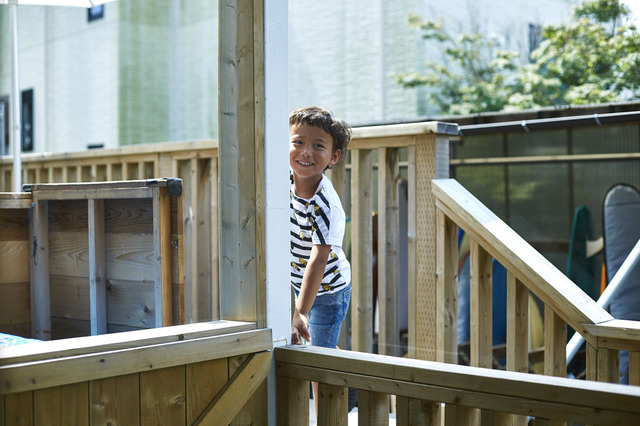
x: 319, y: 220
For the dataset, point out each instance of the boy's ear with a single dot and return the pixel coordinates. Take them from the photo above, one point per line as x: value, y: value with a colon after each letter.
x: 335, y: 157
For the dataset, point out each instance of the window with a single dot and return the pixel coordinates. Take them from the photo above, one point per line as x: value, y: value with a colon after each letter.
x: 95, y: 12
x: 4, y: 126
x: 27, y: 120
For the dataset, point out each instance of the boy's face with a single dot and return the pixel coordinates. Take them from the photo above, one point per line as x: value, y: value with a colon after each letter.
x: 310, y: 150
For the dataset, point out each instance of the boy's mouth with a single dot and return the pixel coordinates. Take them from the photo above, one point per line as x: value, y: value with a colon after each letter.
x: 305, y: 164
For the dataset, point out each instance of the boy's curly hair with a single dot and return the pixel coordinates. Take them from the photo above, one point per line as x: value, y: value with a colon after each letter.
x: 323, y: 118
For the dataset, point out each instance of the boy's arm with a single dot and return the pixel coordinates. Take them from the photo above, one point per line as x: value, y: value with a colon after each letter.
x: 308, y: 290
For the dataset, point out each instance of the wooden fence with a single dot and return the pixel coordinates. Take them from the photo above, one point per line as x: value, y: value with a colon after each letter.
x: 196, y: 374
x: 420, y: 387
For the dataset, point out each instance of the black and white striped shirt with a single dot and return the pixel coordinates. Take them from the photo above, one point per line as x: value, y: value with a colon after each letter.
x: 319, y: 220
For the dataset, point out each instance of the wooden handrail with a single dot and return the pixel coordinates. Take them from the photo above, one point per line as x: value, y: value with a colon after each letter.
x: 529, y: 266
x: 496, y: 390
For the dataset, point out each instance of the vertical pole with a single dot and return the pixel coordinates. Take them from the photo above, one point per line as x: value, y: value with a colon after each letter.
x: 15, y: 102
x: 276, y: 177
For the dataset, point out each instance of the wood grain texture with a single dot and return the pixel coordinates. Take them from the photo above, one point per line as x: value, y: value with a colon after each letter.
x: 19, y: 409
x: 115, y: 400
x: 62, y: 406
x: 204, y: 381
x: 162, y: 397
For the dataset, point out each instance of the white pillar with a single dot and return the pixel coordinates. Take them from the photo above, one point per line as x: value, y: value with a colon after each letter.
x: 16, y: 102
x: 277, y: 182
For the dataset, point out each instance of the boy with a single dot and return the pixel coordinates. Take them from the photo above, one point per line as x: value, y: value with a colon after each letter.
x: 320, y: 272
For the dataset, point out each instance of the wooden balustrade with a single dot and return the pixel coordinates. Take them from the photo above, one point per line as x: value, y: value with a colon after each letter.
x: 420, y: 384
x: 527, y: 271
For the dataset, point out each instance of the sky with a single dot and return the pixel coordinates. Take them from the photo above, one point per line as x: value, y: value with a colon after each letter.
x: 634, y: 5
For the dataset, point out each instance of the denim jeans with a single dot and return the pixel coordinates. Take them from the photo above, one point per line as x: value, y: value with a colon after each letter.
x: 326, y: 316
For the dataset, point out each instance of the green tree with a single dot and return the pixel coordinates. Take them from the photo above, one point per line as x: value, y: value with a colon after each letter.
x: 587, y: 60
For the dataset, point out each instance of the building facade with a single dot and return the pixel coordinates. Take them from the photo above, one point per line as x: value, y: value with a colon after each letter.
x: 146, y: 71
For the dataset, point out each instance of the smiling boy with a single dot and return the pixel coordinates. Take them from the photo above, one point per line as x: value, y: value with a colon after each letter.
x: 320, y: 273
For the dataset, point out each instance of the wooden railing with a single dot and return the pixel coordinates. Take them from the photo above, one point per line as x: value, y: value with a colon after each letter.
x: 527, y: 270
x: 182, y: 375
x: 419, y: 384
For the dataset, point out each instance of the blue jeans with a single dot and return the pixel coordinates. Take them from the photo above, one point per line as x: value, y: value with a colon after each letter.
x: 326, y: 316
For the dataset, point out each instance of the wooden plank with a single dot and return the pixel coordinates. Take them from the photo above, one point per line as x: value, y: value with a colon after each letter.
x: 191, y: 219
x: 238, y: 256
x: 14, y: 304
x: 129, y: 216
x: 345, y: 365
x: 162, y: 256
x: 62, y: 405
x: 528, y: 404
x: 39, y: 273
x: 86, y: 194
x: 388, y: 241
x: 555, y: 344
x: 15, y: 200
x: 517, y: 338
x: 634, y: 368
x: 97, y: 276
x: 412, y: 308
x: 163, y: 396
x: 114, y: 342
x: 92, y: 366
x: 481, y: 308
x: 446, y: 290
x: 626, y: 156
x: 237, y: 390
x: 212, y: 264
x: 293, y: 400
x: 131, y: 303
x: 14, y: 224
x: 204, y: 381
x: 14, y: 261
x: 255, y: 408
x: 361, y: 251
x: 332, y: 405
x: 413, y: 411
x: 18, y: 408
x: 115, y: 400
x: 536, y: 272
x: 373, y: 408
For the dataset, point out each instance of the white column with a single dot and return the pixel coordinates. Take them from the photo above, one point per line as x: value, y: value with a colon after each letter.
x: 16, y: 102
x: 277, y: 182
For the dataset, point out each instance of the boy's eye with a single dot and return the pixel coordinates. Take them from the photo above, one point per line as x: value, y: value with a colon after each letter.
x: 318, y: 146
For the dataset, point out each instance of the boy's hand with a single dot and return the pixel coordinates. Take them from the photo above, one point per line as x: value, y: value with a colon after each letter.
x: 299, y: 328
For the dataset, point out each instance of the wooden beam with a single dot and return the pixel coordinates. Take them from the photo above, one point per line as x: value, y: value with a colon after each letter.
x: 293, y: 400
x: 361, y: 251
x: 446, y: 290
x: 517, y: 338
x: 555, y: 344
x: 388, y: 242
x: 373, y: 408
x: 97, y: 276
x: 98, y: 365
x: 162, y: 256
x: 39, y: 272
x: 237, y: 391
x: 239, y: 139
x: 481, y: 309
x: 332, y: 405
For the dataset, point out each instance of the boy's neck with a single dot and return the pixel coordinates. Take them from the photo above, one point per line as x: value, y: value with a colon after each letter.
x: 306, y: 188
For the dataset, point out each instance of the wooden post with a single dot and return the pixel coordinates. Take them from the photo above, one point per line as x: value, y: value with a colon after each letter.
x: 332, y: 405
x: 447, y: 290
x: 388, y: 241
x: 431, y: 159
x: 162, y: 256
x: 361, y: 251
x: 241, y: 160
x: 555, y: 344
x: 293, y: 401
x: 481, y: 309
x: 517, y: 338
x: 373, y: 408
x: 602, y: 364
x: 97, y: 276
x: 39, y: 271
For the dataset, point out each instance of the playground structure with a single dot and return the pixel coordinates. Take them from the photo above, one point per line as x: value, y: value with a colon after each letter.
x: 214, y: 372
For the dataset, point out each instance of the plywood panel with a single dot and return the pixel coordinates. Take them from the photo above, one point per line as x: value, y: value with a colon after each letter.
x: 130, y: 303
x: 115, y: 400
x: 18, y: 409
x: 14, y: 261
x: 66, y: 405
x: 162, y: 397
x: 129, y: 216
